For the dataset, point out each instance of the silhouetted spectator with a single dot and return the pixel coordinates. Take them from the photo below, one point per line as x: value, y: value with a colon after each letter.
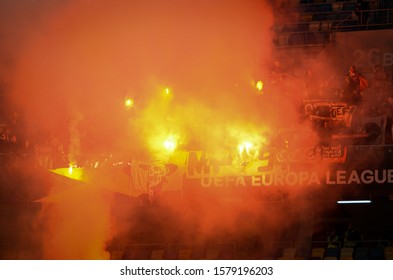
x: 356, y: 85
x: 362, y: 11
x: 333, y: 239
x: 352, y: 236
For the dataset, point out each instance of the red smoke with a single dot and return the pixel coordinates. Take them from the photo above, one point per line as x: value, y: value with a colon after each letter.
x: 76, y: 67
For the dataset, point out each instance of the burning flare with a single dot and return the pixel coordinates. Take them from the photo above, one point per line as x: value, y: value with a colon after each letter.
x: 129, y: 103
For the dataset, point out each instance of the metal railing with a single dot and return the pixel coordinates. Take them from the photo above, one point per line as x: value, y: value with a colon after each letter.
x: 321, y: 28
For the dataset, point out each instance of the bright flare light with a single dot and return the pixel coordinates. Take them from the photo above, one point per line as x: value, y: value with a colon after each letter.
x: 72, y: 172
x: 259, y: 85
x: 170, y: 145
x: 164, y: 144
x: 71, y: 169
x: 245, y: 146
x: 167, y: 92
x: 129, y: 103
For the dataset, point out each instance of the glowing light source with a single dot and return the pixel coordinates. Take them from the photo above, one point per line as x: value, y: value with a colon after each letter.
x: 164, y: 144
x: 167, y: 92
x: 364, y: 201
x: 245, y: 147
x: 170, y: 145
x: 72, y: 172
x: 259, y: 85
x: 129, y: 103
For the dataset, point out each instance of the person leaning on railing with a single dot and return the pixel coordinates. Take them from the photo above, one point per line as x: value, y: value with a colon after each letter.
x: 351, y: 236
x: 333, y: 239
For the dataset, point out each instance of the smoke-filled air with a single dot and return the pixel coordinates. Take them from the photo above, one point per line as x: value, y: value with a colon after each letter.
x: 119, y: 78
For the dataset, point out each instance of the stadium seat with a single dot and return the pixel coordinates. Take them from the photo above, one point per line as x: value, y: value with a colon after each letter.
x: 332, y: 253
x: 171, y: 253
x: 314, y: 26
x: 157, y: 254
x: 129, y: 253
x: 376, y: 253
x: 317, y: 253
x: 184, y: 254
x: 319, y: 16
x: 336, y: 6
x: 344, y: 15
x: 296, y: 39
x: 226, y: 251
x: 303, y: 26
x: 360, y: 253
x: 211, y: 254
x: 288, y: 254
x: 305, y: 17
x: 388, y: 253
x: 325, y: 7
x: 198, y: 252
x: 116, y: 255
x: 346, y: 253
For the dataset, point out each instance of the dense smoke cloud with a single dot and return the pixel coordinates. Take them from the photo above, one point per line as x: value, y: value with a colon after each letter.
x: 76, y: 67
x: 137, y: 48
